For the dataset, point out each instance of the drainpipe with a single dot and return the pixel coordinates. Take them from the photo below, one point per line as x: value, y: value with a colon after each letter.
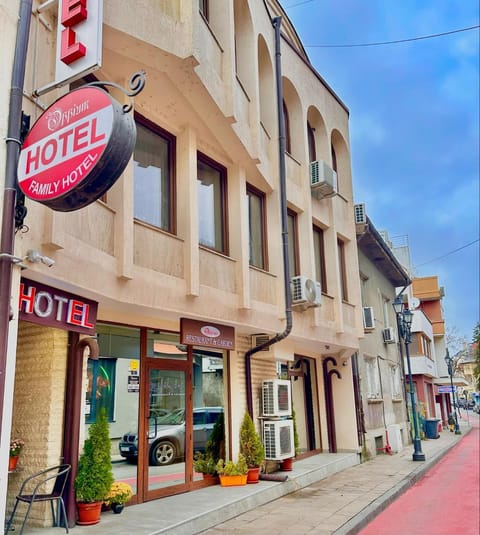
x: 283, y: 205
x: 10, y: 192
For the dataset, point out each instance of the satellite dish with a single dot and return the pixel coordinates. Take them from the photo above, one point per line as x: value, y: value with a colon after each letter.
x: 414, y: 303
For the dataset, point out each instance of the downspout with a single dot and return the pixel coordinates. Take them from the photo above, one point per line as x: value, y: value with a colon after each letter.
x: 10, y: 193
x: 283, y: 206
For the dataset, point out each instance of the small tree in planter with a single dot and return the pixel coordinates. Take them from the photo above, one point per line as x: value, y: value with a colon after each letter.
x: 233, y: 473
x: 205, y: 464
x: 251, y: 447
x: 94, y: 474
x: 287, y: 464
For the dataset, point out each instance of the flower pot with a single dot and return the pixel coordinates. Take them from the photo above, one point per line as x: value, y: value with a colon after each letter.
x: 117, y: 508
x: 88, y: 513
x: 12, y: 463
x: 233, y: 481
x: 253, y: 474
x: 210, y: 477
x: 287, y: 465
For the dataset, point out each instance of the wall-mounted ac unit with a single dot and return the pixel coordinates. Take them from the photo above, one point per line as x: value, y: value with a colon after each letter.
x: 278, y: 439
x: 389, y: 335
x: 368, y: 318
x: 277, y: 398
x: 360, y: 214
x: 259, y: 339
x: 323, y: 179
x: 306, y: 291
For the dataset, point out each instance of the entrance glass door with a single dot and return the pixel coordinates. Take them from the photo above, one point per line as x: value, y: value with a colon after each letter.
x: 165, y: 429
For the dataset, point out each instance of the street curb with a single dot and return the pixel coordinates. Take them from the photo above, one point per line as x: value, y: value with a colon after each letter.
x: 364, y: 517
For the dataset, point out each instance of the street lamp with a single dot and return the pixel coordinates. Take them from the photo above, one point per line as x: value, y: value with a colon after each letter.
x: 449, y: 362
x: 404, y: 321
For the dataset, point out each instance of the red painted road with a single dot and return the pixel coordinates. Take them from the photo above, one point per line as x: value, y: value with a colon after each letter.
x: 446, y: 501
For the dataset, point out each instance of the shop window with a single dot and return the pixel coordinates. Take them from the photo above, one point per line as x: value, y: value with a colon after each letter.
x: 153, y: 183
x: 211, y: 180
x: 101, y: 388
x: 256, y: 227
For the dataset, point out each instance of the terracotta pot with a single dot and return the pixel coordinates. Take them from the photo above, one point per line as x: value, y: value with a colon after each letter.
x: 253, y: 474
x: 233, y: 481
x: 210, y: 477
x: 88, y: 513
x: 287, y: 465
x: 117, y: 508
x: 12, y: 463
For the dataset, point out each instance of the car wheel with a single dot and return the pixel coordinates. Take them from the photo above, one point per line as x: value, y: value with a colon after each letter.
x: 162, y: 453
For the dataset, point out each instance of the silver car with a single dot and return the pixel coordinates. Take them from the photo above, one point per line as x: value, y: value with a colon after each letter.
x: 167, y: 436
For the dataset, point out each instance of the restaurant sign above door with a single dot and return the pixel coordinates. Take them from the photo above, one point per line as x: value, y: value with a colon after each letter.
x: 38, y: 303
x: 206, y: 334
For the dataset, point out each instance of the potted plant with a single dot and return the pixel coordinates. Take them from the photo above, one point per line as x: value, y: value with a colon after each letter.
x: 206, y: 465
x: 94, y: 475
x: 16, y: 447
x: 251, y: 447
x: 287, y: 464
x: 232, y: 473
x: 120, y: 493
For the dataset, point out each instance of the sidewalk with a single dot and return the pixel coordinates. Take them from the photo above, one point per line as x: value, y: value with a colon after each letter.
x: 331, y: 493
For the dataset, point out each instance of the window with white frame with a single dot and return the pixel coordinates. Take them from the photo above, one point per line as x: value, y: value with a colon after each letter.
x: 396, y: 377
x: 373, y: 378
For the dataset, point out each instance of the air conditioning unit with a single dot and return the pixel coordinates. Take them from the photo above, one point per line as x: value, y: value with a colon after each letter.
x: 278, y: 439
x: 360, y: 214
x: 277, y: 398
x: 323, y: 179
x: 259, y: 339
x: 389, y: 335
x: 368, y: 318
x: 306, y: 291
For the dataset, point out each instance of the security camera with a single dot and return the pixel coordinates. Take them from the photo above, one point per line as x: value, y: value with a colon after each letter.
x: 35, y: 257
x: 47, y: 261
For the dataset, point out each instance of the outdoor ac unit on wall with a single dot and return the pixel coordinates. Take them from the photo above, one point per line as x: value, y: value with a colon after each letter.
x: 389, y: 335
x: 323, y: 179
x: 368, y: 318
x: 277, y: 398
x: 278, y: 439
x: 306, y: 291
x: 360, y: 214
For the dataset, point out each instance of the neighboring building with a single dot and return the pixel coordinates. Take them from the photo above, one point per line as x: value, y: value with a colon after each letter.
x: 380, y: 364
x: 431, y: 346
x: 190, y: 238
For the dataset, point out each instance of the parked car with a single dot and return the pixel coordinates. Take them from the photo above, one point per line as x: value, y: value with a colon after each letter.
x: 167, y: 436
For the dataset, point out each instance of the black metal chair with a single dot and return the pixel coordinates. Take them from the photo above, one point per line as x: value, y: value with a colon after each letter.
x: 36, y: 489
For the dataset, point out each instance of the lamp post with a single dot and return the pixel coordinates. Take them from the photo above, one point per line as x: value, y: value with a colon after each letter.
x: 449, y: 362
x: 404, y: 317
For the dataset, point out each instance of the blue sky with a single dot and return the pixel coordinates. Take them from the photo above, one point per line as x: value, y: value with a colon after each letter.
x: 414, y: 127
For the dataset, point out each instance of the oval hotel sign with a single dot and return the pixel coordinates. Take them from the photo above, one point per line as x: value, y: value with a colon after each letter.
x: 76, y: 150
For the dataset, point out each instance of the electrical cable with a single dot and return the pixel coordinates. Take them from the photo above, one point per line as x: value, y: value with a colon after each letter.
x: 397, y: 40
x: 449, y: 253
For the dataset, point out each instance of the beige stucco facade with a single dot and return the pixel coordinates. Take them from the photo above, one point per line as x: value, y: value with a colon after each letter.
x: 225, y: 109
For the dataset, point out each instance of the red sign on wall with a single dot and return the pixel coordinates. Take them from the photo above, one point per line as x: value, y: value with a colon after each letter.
x: 52, y: 307
x: 76, y: 150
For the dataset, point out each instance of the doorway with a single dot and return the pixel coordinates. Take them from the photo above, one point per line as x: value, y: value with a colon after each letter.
x: 305, y: 403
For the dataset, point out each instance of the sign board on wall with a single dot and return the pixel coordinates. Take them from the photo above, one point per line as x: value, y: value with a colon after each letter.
x: 79, y: 41
x: 44, y: 305
x: 206, y: 334
x: 76, y: 150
